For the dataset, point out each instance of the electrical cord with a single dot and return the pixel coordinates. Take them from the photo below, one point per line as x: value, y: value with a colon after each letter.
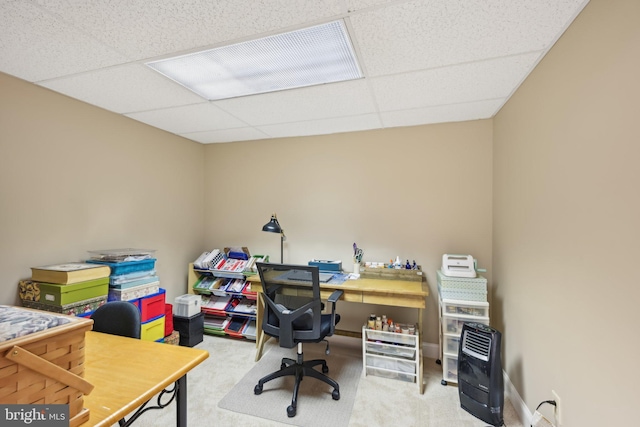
x: 550, y: 402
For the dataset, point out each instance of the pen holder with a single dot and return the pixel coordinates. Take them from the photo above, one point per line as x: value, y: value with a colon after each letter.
x: 356, y: 268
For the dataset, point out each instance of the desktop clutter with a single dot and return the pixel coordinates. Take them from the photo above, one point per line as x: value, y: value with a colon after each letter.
x: 398, y: 264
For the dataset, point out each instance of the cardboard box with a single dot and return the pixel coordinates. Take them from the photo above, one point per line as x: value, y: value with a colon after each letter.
x: 60, y: 295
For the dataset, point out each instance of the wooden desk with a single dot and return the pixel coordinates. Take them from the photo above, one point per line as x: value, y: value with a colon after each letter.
x: 398, y: 293
x: 127, y: 372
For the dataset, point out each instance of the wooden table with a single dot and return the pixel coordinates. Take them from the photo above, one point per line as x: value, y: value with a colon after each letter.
x: 127, y: 372
x: 397, y: 293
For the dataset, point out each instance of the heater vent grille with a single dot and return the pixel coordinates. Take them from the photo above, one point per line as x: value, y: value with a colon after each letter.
x: 476, y: 345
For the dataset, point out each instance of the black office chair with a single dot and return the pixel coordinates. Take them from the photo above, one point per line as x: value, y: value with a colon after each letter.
x: 117, y: 318
x: 293, y: 314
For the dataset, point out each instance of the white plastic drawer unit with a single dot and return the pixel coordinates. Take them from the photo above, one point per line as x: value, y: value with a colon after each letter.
x: 392, y: 355
x: 453, y: 324
x: 465, y: 308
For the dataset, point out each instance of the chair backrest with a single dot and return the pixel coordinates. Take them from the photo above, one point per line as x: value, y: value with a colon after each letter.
x: 117, y: 318
x: 293, y: 307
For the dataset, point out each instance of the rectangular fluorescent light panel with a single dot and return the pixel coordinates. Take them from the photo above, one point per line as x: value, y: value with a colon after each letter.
x: 306, y: 57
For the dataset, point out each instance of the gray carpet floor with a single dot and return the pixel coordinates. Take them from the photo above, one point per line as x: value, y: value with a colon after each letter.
x: 377, y: 401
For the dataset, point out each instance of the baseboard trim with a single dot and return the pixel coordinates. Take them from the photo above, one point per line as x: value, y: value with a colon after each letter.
x: 432, y: 351
x: 514, y: 397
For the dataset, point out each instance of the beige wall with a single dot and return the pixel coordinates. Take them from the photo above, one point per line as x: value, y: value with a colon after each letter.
x: 414, y: 192
x: 75, y: 178
x: 411, y: 192
x: 566, y: 221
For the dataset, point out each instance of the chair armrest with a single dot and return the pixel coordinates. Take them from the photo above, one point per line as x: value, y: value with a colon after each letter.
x: 335, y: 296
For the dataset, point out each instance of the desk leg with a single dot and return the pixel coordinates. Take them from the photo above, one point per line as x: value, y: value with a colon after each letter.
x: 420, y: 367
x: 181, y: 402
x: 261, y: 337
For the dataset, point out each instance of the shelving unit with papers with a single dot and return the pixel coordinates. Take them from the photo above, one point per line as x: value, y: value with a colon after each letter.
x: 229, y: 305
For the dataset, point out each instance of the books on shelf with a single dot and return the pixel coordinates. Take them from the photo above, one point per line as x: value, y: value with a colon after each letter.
x: 73, y: 272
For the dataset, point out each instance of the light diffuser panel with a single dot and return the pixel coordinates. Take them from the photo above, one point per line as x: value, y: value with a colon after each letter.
x: 306, y: 57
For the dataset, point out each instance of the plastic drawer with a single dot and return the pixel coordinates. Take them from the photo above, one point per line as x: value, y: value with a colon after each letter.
x: 453, y: 324
x: 390, y: 350
x: 450, y: 369
x: 451, y: 343
x: 382, y: 362
x: 153, y: 330
x: 152, y: 306
x: 465, y: 308
x: 390, y: 374
x: 168, y: 319
x: 390, y: 337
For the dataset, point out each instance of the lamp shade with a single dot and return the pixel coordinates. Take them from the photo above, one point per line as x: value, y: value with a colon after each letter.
x: 272, y: 226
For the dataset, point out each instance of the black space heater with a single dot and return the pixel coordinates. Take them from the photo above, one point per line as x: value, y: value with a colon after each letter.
x: 480, y: 383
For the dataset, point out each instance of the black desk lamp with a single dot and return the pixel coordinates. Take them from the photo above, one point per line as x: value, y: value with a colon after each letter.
x: 273, y: 226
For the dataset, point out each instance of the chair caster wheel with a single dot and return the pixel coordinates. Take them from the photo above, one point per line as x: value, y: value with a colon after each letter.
x: 257, y: 389
x: 438, y: 362
x: 443, y: 382
x: 335, y: 394
x: 291, y: 411
x: 325, y: 369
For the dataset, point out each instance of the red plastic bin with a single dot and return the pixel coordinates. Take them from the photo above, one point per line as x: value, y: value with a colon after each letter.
x: 168, y: 322
x: 152, y: 306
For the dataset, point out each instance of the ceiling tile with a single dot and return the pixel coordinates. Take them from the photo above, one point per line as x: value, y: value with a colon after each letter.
x: 442, y: 113
x: 437, y: 33
x: 424, y: 61
x: 311, y: 103
x: 323, y: 127
x: 37, y: 46
x: 124, y: 89
x: 453, y: 85
x: 143, y: 29
x: 188, y: 118
x: 227, y: 135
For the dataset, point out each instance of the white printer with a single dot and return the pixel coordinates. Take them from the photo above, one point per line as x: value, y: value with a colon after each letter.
x: 458, y: 265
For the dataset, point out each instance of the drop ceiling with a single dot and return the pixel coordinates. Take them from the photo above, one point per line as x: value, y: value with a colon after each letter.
x: 424, y: 61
